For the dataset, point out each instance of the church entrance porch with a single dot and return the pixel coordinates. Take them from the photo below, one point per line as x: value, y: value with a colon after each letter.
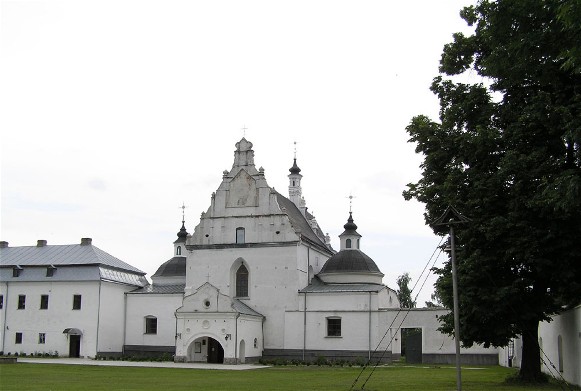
x: 206, y: 349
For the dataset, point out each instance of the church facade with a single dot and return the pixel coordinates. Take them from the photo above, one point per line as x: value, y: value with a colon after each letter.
x: 256, y: 278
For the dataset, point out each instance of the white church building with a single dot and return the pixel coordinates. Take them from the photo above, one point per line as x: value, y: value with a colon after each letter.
x: 256, y: 278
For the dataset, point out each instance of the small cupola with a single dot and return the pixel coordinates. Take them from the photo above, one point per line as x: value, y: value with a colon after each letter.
x: 350, y: 239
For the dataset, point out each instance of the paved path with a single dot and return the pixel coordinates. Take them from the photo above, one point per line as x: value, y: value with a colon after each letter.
x: 149, y: 364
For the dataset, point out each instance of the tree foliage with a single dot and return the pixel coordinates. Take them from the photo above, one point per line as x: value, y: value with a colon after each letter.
x: 506, y: 153
x: 404, y: 294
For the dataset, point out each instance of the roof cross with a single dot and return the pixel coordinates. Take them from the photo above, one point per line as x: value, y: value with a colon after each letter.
x: 244, y: 129
x: 351, y: 196
x: 183, y: 208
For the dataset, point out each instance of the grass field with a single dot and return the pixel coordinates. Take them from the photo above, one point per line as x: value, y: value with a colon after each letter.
x: 57, y: 377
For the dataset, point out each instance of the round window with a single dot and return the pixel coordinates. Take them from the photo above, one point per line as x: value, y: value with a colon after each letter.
x: 206, y: 303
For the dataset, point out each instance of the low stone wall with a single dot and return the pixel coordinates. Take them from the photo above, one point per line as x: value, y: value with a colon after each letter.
x: 465, y: 359
x: 148, y: 350
x: 330, y: 355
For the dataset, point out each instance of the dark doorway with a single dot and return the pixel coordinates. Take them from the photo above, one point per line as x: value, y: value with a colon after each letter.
x: 74, y: 345
x: 411, y: 347
x: 215, y: 352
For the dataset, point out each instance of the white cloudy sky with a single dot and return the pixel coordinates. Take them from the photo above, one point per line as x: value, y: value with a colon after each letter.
x: 114, y: 112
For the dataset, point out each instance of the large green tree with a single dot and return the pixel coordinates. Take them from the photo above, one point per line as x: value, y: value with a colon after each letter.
x: 404, y: 294
x: 506, y: 154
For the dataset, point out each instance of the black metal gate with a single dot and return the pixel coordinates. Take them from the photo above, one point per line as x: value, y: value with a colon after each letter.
x: 413, y: 347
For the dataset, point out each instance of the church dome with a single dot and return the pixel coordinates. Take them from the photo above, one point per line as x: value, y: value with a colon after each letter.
x: 175, y: 267
x: 350, y: 261
x: 295, y: 169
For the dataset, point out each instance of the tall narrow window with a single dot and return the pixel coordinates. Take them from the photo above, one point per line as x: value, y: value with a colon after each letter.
x: 560, y: 352
x: 242, y: 282
x: 76, y: 302
x: 333, y: 327
x: 179, y: 250
x: 150, y: 325
x: 44, y: 302
x: 1, y: 301
x: 348, y: 243
x: 21, y: 302
x: 41, y: 338
x: 18, y: 339
x: 240, y: 235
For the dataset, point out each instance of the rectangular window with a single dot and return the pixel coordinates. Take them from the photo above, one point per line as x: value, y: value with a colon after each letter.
x: 333, y: 327
x: 44, y: 302
x: 240, y: 236
x: 41, y: 338
x: 76, y: 302
x: 151, y: 325
x: 16, y: 271
x: 21, y: 302
x: 50, y: 271
x: 1, y: 301
x: 18, y: 339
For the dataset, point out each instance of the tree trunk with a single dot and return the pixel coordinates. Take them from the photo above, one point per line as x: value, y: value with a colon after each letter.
x: 530, y: 369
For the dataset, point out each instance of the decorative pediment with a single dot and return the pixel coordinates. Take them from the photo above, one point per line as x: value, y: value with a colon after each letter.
x: 207, y: 298
x: 242, y: 191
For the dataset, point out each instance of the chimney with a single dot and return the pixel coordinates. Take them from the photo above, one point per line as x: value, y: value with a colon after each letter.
x: 86, y: 241
x: 41, y: 243
x: 3, y: 244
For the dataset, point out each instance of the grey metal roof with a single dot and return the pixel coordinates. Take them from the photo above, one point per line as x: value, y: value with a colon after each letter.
x: 69, y: 254
x: 175, y: 267
x: 239, y: 306
x: 318, y: 286
x: 298, y: 221
x: 160, y: 289
x: 73, y: 273
x: 350, y: 261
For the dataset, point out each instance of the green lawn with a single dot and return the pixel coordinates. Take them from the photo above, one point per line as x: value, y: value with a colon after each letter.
x: 57, y: 377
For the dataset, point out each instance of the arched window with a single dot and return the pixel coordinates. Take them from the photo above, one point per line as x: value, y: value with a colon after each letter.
x: 242, y: 282
x: 240, y: 235
x: 348, y: 243
x: 179, y: 250
x: 358, y: 244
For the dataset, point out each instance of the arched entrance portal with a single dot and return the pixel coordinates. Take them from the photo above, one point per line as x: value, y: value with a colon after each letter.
x: 206, y: 349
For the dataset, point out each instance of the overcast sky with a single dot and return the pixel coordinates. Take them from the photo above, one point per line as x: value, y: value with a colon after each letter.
x: 113, y: 113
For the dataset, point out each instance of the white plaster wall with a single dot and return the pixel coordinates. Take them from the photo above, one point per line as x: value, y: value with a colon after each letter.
x: 433, y: 341
x: 273, y: 281
x: 112, y: 317
x: 215, y: 325
x: 248, y: 329
x: 31, y: 321
x: 162, y: 307
x: 568, y: 326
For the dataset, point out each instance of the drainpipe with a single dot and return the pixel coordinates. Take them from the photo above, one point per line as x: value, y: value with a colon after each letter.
x: 98, y: 318
x: 369, y: 351
x: 236, y: 338
x: 305, y: 326
x: 124, y: 325
x: 5, y: 310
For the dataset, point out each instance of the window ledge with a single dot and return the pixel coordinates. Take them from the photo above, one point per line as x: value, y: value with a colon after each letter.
x: 334, y: 336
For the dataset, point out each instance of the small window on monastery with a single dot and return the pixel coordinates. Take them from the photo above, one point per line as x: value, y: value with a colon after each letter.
x: 21, y: 302
x: 242, y: 282
x: 50, y: 271
x: 150, y: 325
x: 18, y: 339
x: 16, y: 271
x: 333, y: 327
x: 41, y: 338
x: 44, y: 302
x: 357, y: 243
x: 1, y: 301
x: 179, y: 250
x: 240, y: 236
x: 76, y: 302
x: 255, y: 343
x: 348, y: 243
